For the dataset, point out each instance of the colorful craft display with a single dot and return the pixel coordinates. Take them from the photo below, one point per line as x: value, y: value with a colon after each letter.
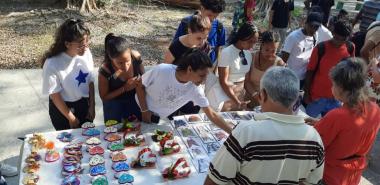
x: 51, y: 154
x: 88, y: 125
x: 99, y: 180
x: 91, y: 132
x: 180, y: 169
x: 109, y: 123
x: 71, y: 180
x: 118, y: 156
x: 115, y: 146
x: 146, y: 158
x: 161, y: 135
x: 112, y: 137
x: 133, y: 140
x: 96, y: 150
x: 124, y: 178
x: 169, y: 147
x: 110, y: 129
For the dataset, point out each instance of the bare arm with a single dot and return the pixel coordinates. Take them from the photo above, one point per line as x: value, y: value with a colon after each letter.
x: 168, y: 57
x: 91, y: 110
x: 141, y: 96
x: 285, y: 56
x: 208, y: 181
x: 223, y: 79
x: 270, y: 19
x: 62, y: 107
x: 307, y: 85
x: 104, y: 92
x: 219, y: 121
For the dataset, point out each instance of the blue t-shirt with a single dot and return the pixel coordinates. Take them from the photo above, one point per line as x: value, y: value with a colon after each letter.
x: 215, y: 38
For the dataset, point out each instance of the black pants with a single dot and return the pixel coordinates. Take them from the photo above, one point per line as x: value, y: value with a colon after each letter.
x: 79, y: 108
x: 188, y: 108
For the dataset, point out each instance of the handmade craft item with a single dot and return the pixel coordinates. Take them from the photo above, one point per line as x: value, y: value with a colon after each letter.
x: 180, y: 169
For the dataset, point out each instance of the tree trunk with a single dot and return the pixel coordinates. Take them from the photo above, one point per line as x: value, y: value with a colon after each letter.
x: 263, y: 6
x: 82, y: 5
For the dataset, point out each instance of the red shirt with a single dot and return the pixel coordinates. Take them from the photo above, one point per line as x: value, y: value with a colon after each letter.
x: 347, y: 137
x: 321, y: 84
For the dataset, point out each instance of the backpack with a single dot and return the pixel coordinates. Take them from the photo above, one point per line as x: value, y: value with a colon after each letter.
x: 321, y: 52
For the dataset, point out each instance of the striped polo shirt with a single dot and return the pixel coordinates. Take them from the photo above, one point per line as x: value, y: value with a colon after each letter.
x: 369, y: 12
x: 273, y: 149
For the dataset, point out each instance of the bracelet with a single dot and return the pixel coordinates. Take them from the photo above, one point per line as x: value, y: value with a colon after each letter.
x: 146, y: 110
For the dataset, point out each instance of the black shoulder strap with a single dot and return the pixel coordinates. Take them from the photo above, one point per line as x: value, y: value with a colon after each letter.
x: 136, y: 65
x: 105, y: 73
x: 220, y: 27
x: 185, y: 22
x: 321, y: 52
x: 350, y: 48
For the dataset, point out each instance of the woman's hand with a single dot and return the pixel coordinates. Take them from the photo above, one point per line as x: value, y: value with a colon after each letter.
x: 311, y: 121
x: 91, y: 113
x: 146, y: 116
x: 73, y: 121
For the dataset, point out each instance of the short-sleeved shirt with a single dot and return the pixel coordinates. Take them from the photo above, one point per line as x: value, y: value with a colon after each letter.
x: 369, y: 12
x: 165, y: 94
x: 69, y: 76
x: 230, y: 58
x: 216, y: 36
x: 281, y: 11
x: 321, y: 84
x: 373, y: 35
x: 347, y: 136
x: 177, y: 49
x: 299, y: 46
x: 323, y: 34
x: 273, y: 149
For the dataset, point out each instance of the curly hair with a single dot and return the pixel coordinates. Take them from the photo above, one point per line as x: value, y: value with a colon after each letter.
x: 216, y: 6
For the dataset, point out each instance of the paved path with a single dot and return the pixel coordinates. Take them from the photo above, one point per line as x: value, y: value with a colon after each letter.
x: 24, y: 110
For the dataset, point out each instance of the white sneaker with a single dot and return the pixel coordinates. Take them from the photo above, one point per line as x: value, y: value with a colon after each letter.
x: 8, y: 170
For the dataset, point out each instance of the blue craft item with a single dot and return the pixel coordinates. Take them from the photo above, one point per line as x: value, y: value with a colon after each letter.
x: 124, y: 178
x: 91, y: 132
x: 71, y: 180
x: 120, y: 166
x: 71, y: 167
x: 97, y: 170
x: 65, y: 137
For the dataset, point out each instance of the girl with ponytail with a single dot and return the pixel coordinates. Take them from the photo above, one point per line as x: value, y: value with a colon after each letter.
x: 118, y: 77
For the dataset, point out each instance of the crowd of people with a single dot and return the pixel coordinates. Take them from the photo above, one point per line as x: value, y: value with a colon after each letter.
x: 206, y: 69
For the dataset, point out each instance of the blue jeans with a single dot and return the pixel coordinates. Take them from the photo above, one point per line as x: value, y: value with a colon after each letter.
x: 322, y: 106
x: 121, y: 109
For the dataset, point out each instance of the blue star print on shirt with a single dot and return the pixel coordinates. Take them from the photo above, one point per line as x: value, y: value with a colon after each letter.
x: 81, y: 78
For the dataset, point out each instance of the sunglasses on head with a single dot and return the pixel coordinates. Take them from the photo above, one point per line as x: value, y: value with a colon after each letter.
x: 242, y: 58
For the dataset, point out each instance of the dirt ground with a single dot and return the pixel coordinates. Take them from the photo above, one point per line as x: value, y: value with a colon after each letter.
x: 26, y: 32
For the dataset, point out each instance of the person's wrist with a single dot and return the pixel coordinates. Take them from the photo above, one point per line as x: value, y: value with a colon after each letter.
x: 144, y: 110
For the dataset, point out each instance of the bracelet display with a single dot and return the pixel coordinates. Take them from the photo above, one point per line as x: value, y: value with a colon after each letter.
x: 146, y: 110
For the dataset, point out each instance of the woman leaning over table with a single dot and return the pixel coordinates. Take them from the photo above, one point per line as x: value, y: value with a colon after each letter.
x: 67, y: 76
x: 118, y: 77
x: 234, y: 62
x: 348, y: 132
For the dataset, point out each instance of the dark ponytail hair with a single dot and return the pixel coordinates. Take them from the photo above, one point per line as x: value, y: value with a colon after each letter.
x: 269, y: 37
x: 71, y: 30
x: 199, y: 23
x: 194, y: 58
x: 114, y: 46
x: 245, y: 32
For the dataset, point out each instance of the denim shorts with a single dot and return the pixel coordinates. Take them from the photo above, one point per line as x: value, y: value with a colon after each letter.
x: 322, y: 106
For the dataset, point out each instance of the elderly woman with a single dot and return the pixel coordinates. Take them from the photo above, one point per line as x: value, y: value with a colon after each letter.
x: 348, y: 132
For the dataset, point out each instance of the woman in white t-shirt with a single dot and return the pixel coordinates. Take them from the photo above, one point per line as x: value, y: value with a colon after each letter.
x: 234, y: 63
x: 67, y: 76
x: 166, y: 89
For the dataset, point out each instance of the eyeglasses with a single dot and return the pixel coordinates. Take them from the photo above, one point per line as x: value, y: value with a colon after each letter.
x: 243, y: 60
